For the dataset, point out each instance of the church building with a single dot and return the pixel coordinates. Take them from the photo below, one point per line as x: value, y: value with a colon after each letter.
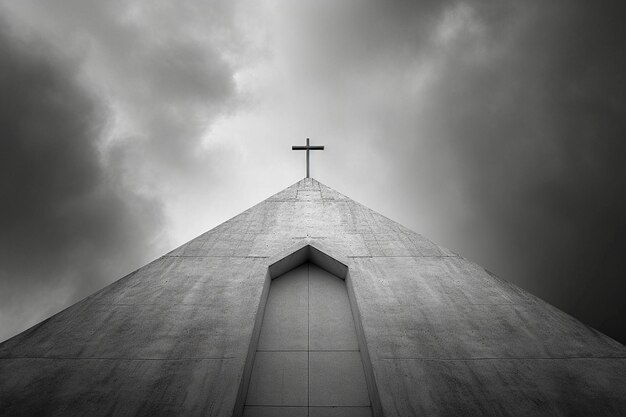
x: 310, y: 304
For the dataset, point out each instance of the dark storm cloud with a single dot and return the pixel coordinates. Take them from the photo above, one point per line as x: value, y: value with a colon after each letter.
x: 176, y: 88
x: 510, y: 117
x: 160, y: 66
x: 65, y: 222
x: 538, y: 134
x: 105, y: 105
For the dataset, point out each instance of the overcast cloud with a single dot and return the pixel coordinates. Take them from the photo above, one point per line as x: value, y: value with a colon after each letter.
x: 494, y: 128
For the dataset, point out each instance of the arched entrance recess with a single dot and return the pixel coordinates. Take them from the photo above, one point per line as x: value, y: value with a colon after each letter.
x: 308, y: 360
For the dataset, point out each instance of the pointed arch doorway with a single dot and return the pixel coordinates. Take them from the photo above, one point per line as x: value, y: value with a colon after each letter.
x: 307, y: 361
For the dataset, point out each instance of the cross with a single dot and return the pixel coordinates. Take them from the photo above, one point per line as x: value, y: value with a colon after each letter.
x: 307, y: 148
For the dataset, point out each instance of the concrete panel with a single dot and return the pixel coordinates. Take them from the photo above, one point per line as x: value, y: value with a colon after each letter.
x: 307, y: 195
x: 476, y: 332
x: 279, y: 378
x: 140, y: 331
x: 504, y: 387
x: 88, y: 387
x: 337, y: 379
x: 285, y: 323
x: 433, y: 281
x: 330, y: 194
x: 426, y: 309
x: 331, y: 326
x: 349, y: 244
x: 186, y: 280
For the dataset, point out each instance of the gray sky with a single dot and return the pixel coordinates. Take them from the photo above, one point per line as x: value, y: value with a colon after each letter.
x: 495, y: 128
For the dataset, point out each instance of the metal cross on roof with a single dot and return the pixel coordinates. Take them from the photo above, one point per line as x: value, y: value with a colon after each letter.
x: 307, y: 148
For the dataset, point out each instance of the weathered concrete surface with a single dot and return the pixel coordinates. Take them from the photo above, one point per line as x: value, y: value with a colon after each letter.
x: 444, y: 336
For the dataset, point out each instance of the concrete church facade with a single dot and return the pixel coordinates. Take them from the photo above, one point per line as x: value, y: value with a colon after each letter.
x: 311, y: 304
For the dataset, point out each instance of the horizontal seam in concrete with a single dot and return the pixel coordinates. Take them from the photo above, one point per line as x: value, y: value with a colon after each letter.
x: 403, y: 256
x: 505, y: 359
x: 495, y: 304
x: 120, y: 359
x: 308, y: 350
x: 203, y: 305
x: 215, y: 256
x: 308, y: 406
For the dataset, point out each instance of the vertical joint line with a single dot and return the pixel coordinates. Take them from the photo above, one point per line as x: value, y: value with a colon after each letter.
x: 308, y: 335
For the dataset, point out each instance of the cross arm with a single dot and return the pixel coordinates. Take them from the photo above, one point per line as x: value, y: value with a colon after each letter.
x: 304, y: 148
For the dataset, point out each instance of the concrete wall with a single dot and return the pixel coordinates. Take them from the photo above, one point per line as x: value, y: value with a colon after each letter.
x: 444, y: 336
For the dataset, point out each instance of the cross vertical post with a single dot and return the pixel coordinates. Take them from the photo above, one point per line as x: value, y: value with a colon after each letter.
x: 307, y: 148
x: 307, y: 158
